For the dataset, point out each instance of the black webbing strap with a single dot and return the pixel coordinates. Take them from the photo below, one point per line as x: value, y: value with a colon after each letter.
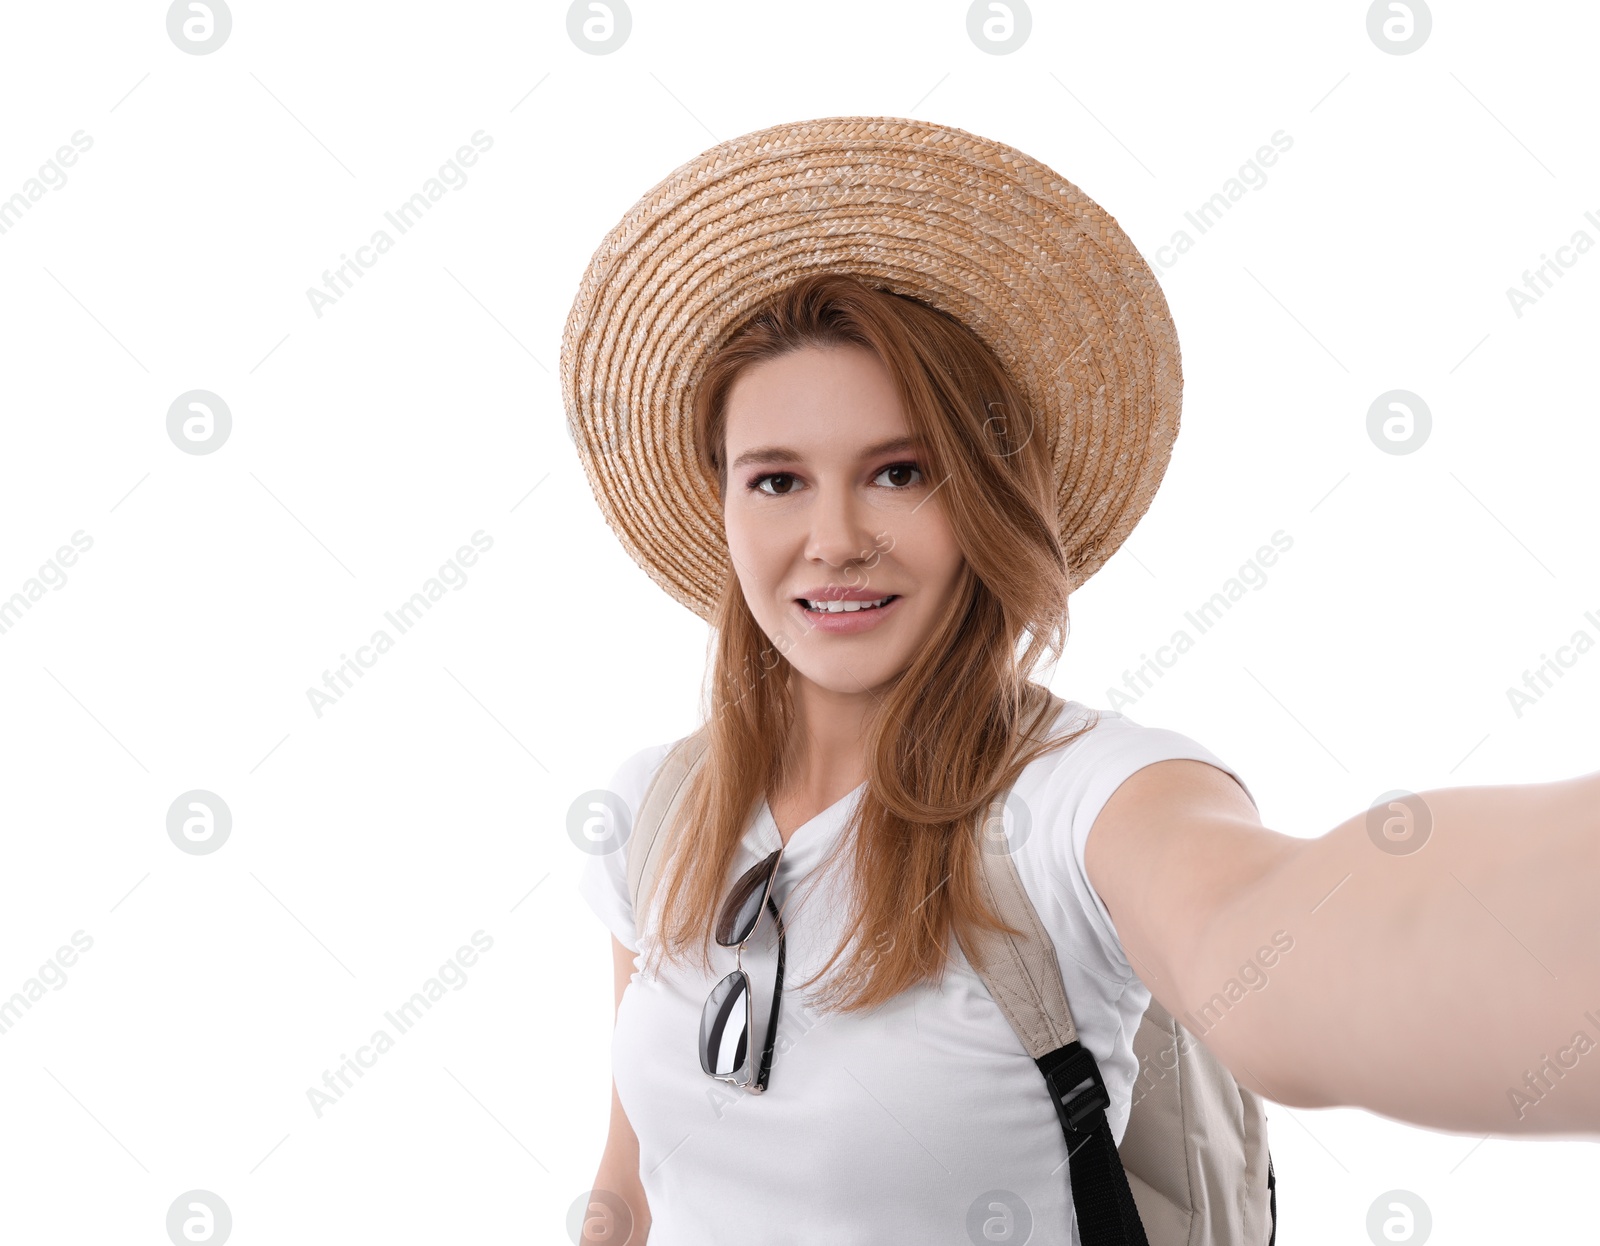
x: 1272, y: 1195
x: 1105, y: 1208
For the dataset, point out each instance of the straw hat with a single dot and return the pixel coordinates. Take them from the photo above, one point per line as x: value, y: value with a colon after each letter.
x: 980, y: 230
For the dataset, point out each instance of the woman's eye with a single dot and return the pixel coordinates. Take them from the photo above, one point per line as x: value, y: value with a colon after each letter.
x: 786, y: 477
x: 781, y: 484
x: 899, y: 470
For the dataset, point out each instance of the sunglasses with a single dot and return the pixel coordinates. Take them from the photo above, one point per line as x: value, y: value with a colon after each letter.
x: 728, y: 1020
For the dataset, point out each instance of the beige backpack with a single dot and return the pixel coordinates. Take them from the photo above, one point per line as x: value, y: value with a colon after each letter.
x: 1193, y: 1168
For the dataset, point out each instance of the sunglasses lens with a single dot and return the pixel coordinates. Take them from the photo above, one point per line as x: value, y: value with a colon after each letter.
x: 743, y: 908
x: 725, y: 1026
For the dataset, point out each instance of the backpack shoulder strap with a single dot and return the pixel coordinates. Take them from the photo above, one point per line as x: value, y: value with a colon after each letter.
x: 1023, y: 973
x: 1193, y: 1167
x: 1024, y: 977
x: 663, y: 797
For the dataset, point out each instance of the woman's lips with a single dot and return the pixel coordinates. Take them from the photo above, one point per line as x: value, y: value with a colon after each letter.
x: 848, y: 623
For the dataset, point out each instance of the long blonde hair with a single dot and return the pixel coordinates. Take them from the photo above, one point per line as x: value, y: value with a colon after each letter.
x: 943, y: 740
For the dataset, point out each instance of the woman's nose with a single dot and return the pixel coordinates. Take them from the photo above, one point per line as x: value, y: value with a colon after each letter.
x: 840, y: 533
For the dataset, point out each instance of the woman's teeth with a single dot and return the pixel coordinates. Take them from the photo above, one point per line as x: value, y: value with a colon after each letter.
x: 845, y: 607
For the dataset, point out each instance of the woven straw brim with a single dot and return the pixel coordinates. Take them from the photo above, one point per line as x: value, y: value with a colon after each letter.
x: 1025, y: 259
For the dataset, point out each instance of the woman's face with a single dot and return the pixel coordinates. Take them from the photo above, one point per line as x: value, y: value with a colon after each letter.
x: 826, y: 492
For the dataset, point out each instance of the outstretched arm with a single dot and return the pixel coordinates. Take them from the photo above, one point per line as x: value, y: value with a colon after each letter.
x: 1447, y: 975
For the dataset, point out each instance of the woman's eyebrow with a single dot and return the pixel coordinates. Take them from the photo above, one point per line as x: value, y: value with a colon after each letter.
x: 784, y: 454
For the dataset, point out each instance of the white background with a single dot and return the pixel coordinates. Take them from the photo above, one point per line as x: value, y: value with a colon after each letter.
x: 369, y: 443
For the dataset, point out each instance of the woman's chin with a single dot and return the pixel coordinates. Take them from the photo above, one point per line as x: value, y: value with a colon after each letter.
x: 847, y: 678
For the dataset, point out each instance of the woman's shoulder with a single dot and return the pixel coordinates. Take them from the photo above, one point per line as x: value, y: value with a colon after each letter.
x: 1084, y: 728
x: 608, y: 826
x: 643, y: 762
x: 1054, y: 805
x: 631, y: 778
x: 1101, y: 747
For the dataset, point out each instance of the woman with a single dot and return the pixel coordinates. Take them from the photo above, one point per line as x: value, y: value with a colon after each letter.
x: 958, y: 476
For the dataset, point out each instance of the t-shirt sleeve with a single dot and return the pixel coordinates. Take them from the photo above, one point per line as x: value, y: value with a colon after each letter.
x: 603, y: 882
x: 1098, y: 764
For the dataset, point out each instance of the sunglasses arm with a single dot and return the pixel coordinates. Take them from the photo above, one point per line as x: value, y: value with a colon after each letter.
x: 777, y: 997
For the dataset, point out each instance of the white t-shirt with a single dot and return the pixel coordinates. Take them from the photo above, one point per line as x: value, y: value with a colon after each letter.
x: 909, y: 1123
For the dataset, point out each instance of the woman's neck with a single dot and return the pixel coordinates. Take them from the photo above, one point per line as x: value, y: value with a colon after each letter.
x: 828, y: 748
